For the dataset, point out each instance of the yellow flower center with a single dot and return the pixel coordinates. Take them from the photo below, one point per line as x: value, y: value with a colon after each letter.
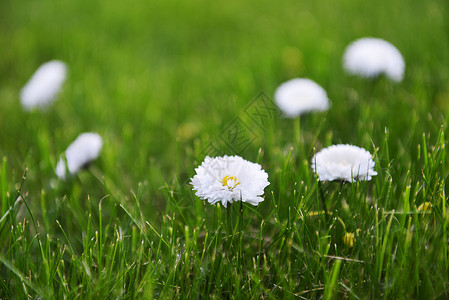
x: 230, y: 182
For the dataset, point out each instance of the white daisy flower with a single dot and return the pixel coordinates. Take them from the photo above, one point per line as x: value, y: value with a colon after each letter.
x: 41, y: 90
x: 370, y: 57
x: 343, y: 162
x: 83, y: 150
x: 228, y: 179
x: 300, y: 95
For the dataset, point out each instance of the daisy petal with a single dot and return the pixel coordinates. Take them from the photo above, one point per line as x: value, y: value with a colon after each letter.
x: 229, y: 179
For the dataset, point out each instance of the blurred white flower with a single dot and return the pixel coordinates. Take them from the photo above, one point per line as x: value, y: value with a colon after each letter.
x: 343, y: 162
x: 300, y: 95
x: 370, y: 57
x: 42, y: 88
x: 83, y: 150
x: 228, y: 179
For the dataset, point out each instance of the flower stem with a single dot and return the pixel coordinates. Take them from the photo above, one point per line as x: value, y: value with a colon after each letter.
x: 240, y: 260
x: 323, y: 202
x: 228, y: 227
x: 297, y: 132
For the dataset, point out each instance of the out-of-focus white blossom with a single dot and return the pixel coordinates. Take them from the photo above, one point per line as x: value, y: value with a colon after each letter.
x: 42, y: 88
x: 81, y: 152
x: 300, y: 95
x: 370, y: 57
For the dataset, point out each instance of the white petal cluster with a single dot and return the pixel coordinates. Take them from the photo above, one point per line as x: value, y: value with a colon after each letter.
x: 370, y: 57
x: 83, y: 150
x: 228, y: 179
x: 300, y: 95
x: 343, y: 162
x: 42, y: 88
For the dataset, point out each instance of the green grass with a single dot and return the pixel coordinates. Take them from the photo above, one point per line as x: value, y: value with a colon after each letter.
x: 161, y: 81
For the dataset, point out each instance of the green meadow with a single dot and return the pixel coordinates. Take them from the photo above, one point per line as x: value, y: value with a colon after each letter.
x: 167, y: 83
